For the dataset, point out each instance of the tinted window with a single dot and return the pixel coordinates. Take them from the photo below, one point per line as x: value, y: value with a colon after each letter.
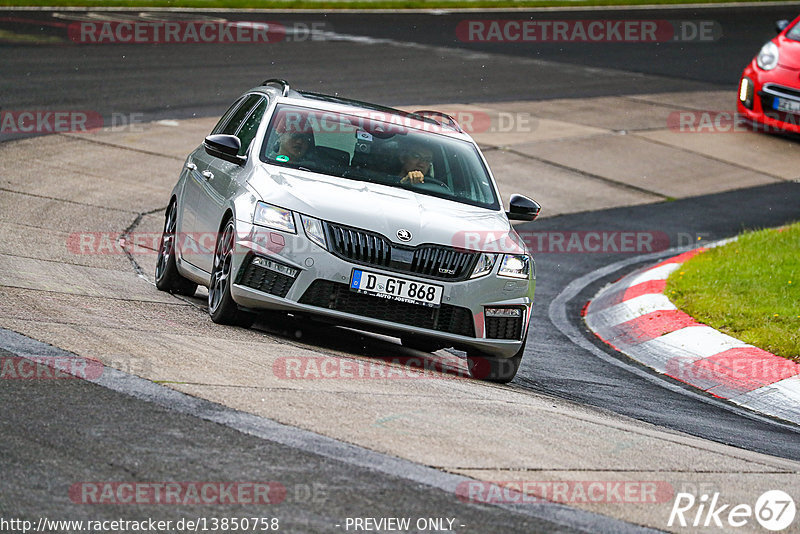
x: 224, y: 120
x: 794, y: 33
x: 248, y: 130
x: 379, y: 148
x: 238, y: 116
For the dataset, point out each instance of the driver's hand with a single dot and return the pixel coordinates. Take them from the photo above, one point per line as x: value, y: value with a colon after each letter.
x: 413, y: 177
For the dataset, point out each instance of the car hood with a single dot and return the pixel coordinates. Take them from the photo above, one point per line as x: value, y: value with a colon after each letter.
x: 385, y: 209
x: 789, y: 53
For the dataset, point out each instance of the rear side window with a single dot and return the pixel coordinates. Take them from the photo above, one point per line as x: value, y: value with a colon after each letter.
x: 248, y: 130
x: 226, y: 116
x: 238, y: 116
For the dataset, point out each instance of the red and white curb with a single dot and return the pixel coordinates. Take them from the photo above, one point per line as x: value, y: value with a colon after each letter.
x: 635, y: 317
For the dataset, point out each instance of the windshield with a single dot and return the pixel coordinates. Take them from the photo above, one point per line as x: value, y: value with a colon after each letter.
x: 370, y: 148
x: 794, y: 33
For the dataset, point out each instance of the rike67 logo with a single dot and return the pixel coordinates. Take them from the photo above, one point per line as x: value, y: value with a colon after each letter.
x: 774, y: 510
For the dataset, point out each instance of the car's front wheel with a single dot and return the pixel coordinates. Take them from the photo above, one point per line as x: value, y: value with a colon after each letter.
x: 221, y: 306
x: 167, y: 276
x: 491, y: 369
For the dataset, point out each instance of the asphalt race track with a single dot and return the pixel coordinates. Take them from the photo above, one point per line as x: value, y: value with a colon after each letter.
x: 585, y: 378
x: 53, y: 435
x: 431, y: 66
x: 89, y: 444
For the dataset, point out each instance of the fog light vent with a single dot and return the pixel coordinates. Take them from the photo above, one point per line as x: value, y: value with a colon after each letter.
x: 503, y: 312
x: 275, y: 266
x: 746, y: 92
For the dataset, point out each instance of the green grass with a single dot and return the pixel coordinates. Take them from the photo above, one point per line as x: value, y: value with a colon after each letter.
x: 347, y: 4
x: 749, y: 289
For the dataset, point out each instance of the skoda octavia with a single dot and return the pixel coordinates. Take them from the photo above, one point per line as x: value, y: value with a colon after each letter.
x: 355, y: 214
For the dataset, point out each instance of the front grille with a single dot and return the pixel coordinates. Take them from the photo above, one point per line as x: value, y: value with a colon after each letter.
x: 767, y: 103
x: 503, y: 327
x: 782, y: 91
x: 428, y: 261
x: 265, y: 280
x: 769, y: 93
x: 359, y: 246
x: 442, y: 262
x: 336, y: 296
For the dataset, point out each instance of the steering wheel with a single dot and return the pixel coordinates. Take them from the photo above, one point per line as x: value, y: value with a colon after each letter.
x: 429, y: 180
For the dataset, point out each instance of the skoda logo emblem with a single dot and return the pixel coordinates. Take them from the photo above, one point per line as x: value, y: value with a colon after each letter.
x: 404, y: 235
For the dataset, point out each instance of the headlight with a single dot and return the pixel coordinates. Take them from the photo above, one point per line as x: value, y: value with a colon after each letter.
x: 274, y: 217
x: 767, y: 58
x: 515, y: 266
x: 485, y: 265
x: 314, y: 231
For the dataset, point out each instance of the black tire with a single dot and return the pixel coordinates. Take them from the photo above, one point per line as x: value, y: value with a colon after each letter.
x: 491, y: 369
x: 167, y: 276
x: 421, y: 344
x: 221, y: 306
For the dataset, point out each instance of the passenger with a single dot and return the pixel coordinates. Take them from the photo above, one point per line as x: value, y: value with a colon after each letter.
x: 415, y: 164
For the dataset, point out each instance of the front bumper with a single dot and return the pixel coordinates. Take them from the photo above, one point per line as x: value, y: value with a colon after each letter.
x: 767, y: 87
x: 303, y: 278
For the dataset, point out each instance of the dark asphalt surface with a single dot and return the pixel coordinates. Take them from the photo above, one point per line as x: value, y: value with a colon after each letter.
x: 554, y: 366
x: 56, y: 434
x: 53, y: 434
x: 185, y: 80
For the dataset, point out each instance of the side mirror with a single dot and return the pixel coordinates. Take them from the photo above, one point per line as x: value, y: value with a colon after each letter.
x: 781, y: 25
x: 521, y: 208
x: 224, y: 147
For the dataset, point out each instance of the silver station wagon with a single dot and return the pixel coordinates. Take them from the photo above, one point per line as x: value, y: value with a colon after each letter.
x: 354, y: 214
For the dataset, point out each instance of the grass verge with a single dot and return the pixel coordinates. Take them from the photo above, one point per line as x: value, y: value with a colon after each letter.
x: 748, y: 289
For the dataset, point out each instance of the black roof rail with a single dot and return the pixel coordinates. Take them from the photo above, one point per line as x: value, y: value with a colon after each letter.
x: 430, y: 114
x: 367, y: 105
x: 284, y: 85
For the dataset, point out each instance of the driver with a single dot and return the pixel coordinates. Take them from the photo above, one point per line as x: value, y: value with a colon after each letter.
x: 295, y: 145
x: 415, y: 164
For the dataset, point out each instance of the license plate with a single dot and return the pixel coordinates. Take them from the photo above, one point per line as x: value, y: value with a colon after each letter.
x: 789, y: 106
x: 393, y: 288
